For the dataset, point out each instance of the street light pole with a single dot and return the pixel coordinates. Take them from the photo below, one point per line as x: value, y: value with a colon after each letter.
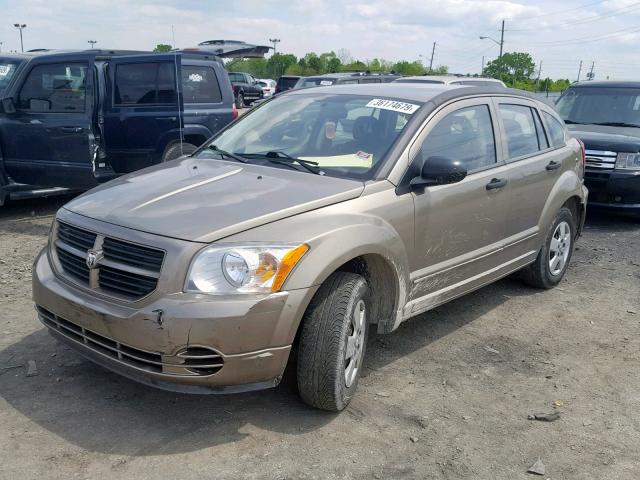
x: 20, y: 26
x: 499, y: 43
x: 92, y: 43
x: 274, y: 41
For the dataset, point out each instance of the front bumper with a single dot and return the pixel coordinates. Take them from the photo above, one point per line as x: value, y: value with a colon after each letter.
x: 616, y: 190
x: 248, y: 338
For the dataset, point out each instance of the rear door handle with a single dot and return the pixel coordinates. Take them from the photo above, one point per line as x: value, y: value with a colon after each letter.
x: 71, y: 129
x: 553, y: 165
x: 166, y: 119
x: 496, y: 183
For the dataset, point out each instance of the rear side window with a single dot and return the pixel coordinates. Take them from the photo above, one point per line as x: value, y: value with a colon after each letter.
x: 555, y: 130
x: 200, y: 85
x: 520, y: 127
x: 465, y: 135
x: 145, y: 84
x: 54, y: 88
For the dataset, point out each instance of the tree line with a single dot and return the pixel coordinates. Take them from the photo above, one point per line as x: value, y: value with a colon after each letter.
x: 515, y: 69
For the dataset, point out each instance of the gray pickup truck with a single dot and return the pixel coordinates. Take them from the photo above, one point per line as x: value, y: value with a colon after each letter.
x: 318, y: 217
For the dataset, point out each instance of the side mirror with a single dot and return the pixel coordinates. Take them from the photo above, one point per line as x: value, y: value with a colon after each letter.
x: 440, y: 171
x: 8, y: 106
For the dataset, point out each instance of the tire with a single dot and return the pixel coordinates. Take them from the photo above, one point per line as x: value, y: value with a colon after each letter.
x: 554, y: 256
x: 240, y: 101
x: 334, y: 327
x: 176, y: 150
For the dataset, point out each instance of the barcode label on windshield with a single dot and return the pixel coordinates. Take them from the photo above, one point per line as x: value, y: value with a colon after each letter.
x: 393, y: 105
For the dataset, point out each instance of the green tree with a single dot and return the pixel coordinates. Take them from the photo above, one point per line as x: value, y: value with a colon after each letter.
x: 163, y: 48
x: 408, y: 68
x: 511, y: 68
x: 279, y: 63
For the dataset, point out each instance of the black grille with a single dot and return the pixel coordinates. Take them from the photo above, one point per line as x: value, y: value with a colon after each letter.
x: 127, y: 270
x: 73, y: 265
x: 192, y: 361
x: 76, y: 237
x: 131, y: 254
x: 149, y: 361
x: 125, y: 283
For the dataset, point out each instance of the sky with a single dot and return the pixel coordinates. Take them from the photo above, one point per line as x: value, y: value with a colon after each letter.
x: 557, y: 33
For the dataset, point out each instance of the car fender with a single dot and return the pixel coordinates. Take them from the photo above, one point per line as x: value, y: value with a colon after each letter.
x: 568, y: 185
x: 173, y: 135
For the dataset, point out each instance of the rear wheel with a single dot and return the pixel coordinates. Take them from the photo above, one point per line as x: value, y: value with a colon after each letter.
x: 554, y: 256
x: 240, y: 101
x: 177, y: 150
x: 333, y: 342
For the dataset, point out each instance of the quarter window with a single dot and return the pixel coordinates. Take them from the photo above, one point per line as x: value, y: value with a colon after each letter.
x: 555, y: 129
x: 54, y: 88
x: 465, y: 135
x: 145, y: 84
x: 200, y: 85
x: 520, y: 128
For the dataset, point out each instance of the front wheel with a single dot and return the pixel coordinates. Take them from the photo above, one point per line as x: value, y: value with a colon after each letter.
x: 333, y: 342
x: 240, y: 101
x: 554, y: 256
x: 177, y: 150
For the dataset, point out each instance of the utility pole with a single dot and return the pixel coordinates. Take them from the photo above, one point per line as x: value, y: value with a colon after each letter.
x: 92, y: 43
x: 501, y: 39
x: 482, y: 71
x: 433, y: 52
x: 20, y: 26
x: 275, y: 41
x: 539, y: 72
x: 579, y: 70
x: 590, y: 74
x: 0, y: 47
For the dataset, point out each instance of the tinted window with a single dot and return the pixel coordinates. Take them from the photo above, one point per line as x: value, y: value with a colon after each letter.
x: 370, y: 80
x: 600, y: 105
x: 236, y: 77
x: 285, y: 83
x: 200, y: 85
x: 465, y: 135
x: 520, y: 128
x: 8, y: 67
x: 555, y: 130
x: 145, y: 83
x: 59, y: 87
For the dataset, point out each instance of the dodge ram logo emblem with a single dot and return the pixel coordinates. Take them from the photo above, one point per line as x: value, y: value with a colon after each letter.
x: 93, y: 258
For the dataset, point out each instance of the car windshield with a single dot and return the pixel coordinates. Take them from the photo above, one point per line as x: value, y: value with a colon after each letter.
x: 595, y: 105
x: 8, y: 66
x: 344, y: 135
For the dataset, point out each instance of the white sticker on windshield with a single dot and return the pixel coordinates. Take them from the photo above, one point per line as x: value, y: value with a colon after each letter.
x: 393, y: 105
x: 326, y: 82
x: 4, y: 70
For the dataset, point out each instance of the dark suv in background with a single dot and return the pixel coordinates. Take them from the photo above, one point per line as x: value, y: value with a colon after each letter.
x: 73, y: 119
x: 606, y: 117
x: 246, y: 89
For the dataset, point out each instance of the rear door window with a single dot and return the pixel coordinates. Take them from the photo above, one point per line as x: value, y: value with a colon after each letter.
x: 520, y: 129
x: 555, y: 129
x: 200, y: 85
x: 54, y: 88
x: 465, y: 135
x: 145, y: 84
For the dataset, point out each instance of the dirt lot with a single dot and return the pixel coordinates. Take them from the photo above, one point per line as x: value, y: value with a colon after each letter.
x: 445, y: 397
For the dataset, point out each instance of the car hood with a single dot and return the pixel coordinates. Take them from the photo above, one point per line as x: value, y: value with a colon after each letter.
x: 604, y: 137
x: 205, y: 200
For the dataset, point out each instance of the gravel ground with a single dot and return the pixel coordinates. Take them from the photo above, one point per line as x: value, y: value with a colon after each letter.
x: 445, y: 397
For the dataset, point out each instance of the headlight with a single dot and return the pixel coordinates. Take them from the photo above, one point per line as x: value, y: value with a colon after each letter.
x: 242, y: 269
x: 628, y: 161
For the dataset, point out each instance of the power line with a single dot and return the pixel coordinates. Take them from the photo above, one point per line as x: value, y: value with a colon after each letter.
x: 581, y: 40
x: 561, y: 11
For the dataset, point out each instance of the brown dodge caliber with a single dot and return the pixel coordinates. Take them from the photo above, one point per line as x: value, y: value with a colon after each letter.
x: 317, y: 217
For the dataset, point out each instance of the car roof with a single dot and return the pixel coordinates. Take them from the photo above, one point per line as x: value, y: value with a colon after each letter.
x: 607, y: 84
x: 437, y: 93
x: 450, y: 78
x: 40, y: 52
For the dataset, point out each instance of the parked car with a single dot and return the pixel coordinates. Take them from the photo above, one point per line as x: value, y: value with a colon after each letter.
x: 286, y: 82
x: 323, y: 215
x: 605, y: 115
x: 268, y: 87
x: 70, y: 120
x: 452, y: 80
x: 246, y: 89
x: 230, y: 49
x: 344, y: 79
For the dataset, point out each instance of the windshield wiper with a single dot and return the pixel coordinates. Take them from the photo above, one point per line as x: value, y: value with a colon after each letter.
x: 618, y: 124
x: 224, y: 153
x: 573, y: 122
x: 283, y: 158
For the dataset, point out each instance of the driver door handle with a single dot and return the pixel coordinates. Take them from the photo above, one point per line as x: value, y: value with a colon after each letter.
x: 553, y: 165
x: 71, y: 129
x: 496, y: 183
